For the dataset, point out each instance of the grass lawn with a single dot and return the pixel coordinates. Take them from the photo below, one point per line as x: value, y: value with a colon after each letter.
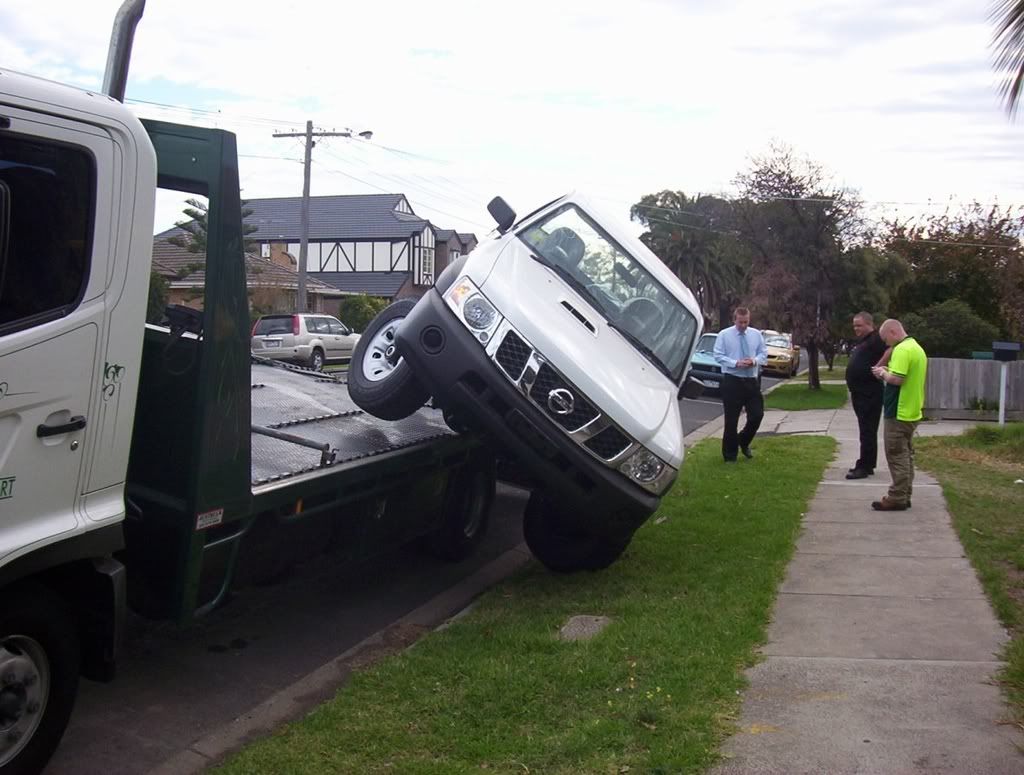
x: 838, y: 370
x: 655, y: 692
x: 977, y: 472
x: 794, y: 397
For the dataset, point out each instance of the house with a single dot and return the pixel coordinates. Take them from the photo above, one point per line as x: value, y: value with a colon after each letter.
x: 364, y: 243
x: 271, y: 287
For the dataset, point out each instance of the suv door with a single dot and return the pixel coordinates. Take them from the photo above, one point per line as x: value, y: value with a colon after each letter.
x: 58, y: 181
x: 345, y: 340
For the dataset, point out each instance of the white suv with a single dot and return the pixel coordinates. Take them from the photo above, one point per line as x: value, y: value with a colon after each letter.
x: 307, y: 339
x: 567, y: 342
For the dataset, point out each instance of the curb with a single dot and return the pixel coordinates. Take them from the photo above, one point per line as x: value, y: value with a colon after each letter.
x: 308, y: 692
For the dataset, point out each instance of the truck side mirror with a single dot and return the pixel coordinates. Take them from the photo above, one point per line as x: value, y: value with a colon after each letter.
x: 500, y: 211
x: 691, y: 387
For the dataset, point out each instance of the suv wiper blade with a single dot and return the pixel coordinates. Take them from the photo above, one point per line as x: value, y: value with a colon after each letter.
x: 643, y: 348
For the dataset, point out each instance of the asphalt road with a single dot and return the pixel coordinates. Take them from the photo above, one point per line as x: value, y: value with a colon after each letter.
x: 177, y: 684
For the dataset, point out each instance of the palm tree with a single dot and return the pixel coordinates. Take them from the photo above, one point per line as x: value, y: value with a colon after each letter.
x: 1008, y: 42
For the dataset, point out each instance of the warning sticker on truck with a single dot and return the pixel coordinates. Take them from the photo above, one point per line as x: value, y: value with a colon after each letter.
x: 209, y: 519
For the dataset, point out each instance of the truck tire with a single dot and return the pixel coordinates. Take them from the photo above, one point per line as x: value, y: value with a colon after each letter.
x: 39, y: 661
x: 561, y: 546
x: 380, y: 382
x: 467, y: 511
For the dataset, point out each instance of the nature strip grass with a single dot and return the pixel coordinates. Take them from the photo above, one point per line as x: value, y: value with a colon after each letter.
x: 978, y: 472
x: 497, y: 691
x: 792, y: 397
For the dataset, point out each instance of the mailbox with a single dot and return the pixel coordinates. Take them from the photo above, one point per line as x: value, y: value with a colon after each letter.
x: 1005, y: 351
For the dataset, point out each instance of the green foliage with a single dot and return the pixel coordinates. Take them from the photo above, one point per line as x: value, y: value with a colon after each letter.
x: 497, y: 691
x: 950, y: 330
x: 197, y: 226
x: 357, y: 311
x: 159, y: 290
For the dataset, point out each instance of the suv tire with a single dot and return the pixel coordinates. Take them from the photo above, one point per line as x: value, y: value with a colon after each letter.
x: 562, y: 546
x: 380, y: 382
x: 316, y: 359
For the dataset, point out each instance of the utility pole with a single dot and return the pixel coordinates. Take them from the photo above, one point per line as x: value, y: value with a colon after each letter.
x: 308, y: 135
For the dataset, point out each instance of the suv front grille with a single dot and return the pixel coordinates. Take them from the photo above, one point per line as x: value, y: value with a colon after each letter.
x: 513, y: 354
x: 547, y: 380
x: 608, y: 444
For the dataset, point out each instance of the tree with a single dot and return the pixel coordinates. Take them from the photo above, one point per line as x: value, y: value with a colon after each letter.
x: 692, y: 236
x: 159, y: 290
x: 1008, y: 42
x: 798, y: 227
x: 950, y: 330
x: 198, y: 223
x: 357, y: 311
x: 974, y: 255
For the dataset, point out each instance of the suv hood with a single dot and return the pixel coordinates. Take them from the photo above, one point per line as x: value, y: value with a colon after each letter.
x: 609, y: 371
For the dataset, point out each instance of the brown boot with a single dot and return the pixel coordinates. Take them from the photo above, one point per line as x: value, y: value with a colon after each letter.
x: 889, y: 505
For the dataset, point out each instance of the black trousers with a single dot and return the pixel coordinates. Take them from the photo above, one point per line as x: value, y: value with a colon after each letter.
x: 739, y: 393
x: 868, y: 408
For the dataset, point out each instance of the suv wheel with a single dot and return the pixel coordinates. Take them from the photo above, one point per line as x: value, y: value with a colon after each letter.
x: 561, y: 545
x: 379, y: 380
x: 316, y: 360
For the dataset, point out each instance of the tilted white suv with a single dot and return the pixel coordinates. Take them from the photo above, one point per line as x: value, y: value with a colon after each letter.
x: 308, y: 339
x: 567, y: 342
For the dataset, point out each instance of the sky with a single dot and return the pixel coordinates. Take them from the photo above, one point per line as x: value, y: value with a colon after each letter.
x: 468, y: 100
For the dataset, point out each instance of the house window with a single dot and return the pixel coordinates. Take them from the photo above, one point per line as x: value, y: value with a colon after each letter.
x: 265, y: 250
x: 426, y: 266
x: 46, y: 204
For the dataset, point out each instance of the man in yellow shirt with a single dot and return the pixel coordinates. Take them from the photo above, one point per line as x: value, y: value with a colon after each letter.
x: 902, y: 404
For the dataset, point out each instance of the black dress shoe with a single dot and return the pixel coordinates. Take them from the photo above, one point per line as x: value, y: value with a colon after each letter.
x: 857, y: 473
x: 729, y: 460
x: 747, y: 453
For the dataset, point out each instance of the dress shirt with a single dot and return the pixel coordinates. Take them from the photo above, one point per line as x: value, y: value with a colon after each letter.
x: 732, y: 346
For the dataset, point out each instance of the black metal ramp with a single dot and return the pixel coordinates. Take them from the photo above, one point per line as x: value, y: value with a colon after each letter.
x: 316, y: 409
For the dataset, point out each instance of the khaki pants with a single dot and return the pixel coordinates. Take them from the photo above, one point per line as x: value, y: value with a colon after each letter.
x: 899, y: 452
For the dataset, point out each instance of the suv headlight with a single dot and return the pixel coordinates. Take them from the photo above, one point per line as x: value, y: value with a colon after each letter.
x: 646, y: 469
x: 473, y: 309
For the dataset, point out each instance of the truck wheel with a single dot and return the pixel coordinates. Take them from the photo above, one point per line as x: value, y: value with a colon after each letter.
x: 467, y: 511
x: 379, y: 380
x: 561, y: 546
x: 38, y: 677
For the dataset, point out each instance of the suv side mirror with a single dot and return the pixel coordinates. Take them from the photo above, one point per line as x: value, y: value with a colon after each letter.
x: 500, y: 211
x: 691, y: 387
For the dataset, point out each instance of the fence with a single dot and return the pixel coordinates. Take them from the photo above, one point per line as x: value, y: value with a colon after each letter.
x: 957, y: 384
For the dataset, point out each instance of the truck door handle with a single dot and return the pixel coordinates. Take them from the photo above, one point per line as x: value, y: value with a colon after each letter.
x: 74, y: 424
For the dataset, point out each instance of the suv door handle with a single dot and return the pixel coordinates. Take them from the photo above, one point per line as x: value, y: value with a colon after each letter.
x: 74, y: 424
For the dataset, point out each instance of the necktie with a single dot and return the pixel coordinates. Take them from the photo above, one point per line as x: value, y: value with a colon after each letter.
x: 743, y: 344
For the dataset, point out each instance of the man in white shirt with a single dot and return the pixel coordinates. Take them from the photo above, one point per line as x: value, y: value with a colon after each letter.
x: 741, y: 353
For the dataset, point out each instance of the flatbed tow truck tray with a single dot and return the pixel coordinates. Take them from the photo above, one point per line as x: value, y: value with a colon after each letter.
x: 316, y: 408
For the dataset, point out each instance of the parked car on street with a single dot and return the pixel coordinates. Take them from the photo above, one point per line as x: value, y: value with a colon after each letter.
x: 306, y: 339
x: 783, y: 355
x: 703, y: 365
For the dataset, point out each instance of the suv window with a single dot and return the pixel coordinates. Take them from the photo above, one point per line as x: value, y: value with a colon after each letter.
x: 50, y: 190
x: 317, y: 326
x: 336, y: 326
x: 274, y: 325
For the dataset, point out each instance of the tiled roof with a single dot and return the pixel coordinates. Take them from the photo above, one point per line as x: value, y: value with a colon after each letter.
x: 443, y: 235
x: 350, y: 217
x: 183, y: 268
x: 385, y: 284
x: 467, y: 237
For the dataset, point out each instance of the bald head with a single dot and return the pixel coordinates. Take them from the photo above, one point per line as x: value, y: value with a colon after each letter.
x: 892, y: 331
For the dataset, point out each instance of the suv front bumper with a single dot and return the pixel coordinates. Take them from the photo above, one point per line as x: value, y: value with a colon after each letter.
x: 461, y: 376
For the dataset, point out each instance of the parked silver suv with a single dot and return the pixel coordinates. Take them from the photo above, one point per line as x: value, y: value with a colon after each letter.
x: 308, y: 339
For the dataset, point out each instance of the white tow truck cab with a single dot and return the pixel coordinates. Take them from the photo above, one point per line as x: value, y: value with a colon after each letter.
x: 566, y: 341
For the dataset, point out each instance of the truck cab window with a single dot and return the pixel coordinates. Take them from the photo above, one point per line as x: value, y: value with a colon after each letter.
x: 51, y: 196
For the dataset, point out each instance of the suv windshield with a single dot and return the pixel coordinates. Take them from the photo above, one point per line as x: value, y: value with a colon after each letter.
x: 616, y: 285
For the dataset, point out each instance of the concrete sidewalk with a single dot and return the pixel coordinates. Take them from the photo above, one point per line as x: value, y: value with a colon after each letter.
x: 882, y: 647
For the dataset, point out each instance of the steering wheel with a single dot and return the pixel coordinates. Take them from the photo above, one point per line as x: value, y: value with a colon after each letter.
x: 612, y: 304
x: 642, y: 317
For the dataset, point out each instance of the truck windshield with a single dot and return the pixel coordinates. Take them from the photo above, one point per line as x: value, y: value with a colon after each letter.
x: 618, y: 286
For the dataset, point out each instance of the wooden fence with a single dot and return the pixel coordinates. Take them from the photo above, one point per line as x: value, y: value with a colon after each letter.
x: 957, y: 384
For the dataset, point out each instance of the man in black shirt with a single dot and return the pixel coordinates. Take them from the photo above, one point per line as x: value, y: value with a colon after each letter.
x: 866, y: 391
